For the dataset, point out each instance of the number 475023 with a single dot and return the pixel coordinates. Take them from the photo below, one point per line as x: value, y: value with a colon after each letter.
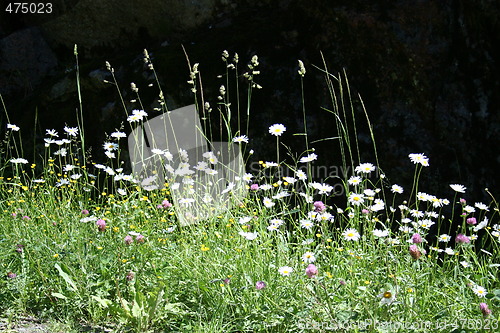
x: 28, y: 8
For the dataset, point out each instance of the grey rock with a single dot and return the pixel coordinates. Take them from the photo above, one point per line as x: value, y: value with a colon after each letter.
x: 25, y: 59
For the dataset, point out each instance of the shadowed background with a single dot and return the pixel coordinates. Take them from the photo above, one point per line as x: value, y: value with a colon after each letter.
x: 427, y: 72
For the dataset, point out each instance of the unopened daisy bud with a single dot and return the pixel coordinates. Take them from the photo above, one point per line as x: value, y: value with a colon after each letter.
x: 414, y: 252
x: 225, y: 55
x: 108, y: 66
x: 484, y: 309
x: 134, y: 87
x: 311, y: 270
x: 302, y: 69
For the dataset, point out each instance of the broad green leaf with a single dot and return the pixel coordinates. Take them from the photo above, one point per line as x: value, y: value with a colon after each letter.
x: 66, y: 278
x: 58, y: 295
x: 102, y: 301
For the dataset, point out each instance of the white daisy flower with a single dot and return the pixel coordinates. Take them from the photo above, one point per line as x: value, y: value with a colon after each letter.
x: 351, y: 234
x: 356, y: 199
x: 13, y: 127
x: 458, y: 188
x: 481, y: 206
x: 419, y: 158
x: 469, y: 209
x: 247, y: 177
x: 306, y: 224
x: 364, y: 168
x: 51, y: 132
x: 240, y: 139
x: 449, y: 251
x: 249, y: 235
x: 118, y: 135
x: 396, y: 189
x: 380, y: 233
x: 72, y: 131
x: 479, y: 291
x: 110, y: 146
x: 444, y: 238
x: 19, y: 160
x: 186, y: 201
x: 308, y: 158
x: 268, y: 202
x: 308, y: 257
x: 301, y: 175
x: 265, y: 187
x: 277, y: 129
x: 285, y: 270
x: 354, y: 180
x: 245, y: 219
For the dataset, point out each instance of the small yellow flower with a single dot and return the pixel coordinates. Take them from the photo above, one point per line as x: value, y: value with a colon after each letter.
x: 56, y: 255
x: 116, y: 229
x: 99, y: 247
x: 329, y: 275
x: 204, y: 248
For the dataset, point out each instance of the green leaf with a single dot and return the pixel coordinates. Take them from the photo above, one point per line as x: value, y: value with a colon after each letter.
x: 137, y: 311
x: 102, y: 301
x: 66, y: 278
x: 58, y: 295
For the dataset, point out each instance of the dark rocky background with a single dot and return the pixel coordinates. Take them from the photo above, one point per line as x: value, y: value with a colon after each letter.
x: 427, y: 72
